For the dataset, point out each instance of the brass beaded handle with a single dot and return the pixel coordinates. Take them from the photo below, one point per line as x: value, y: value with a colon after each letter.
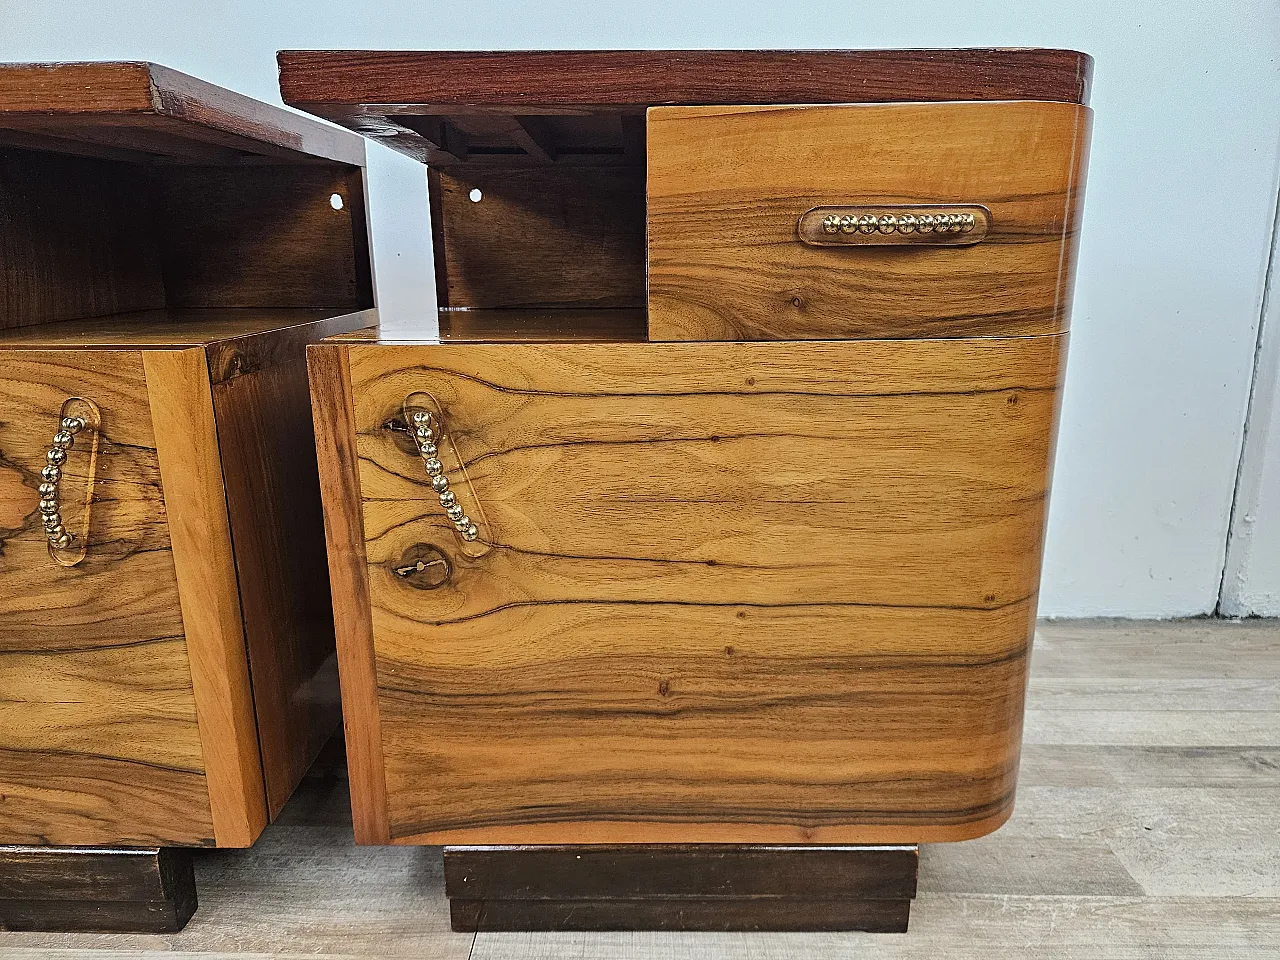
x: 927, y: 224
x: 892, y: 223
x: 79, y: 427
x: 422, y: 427
x: 50, y: 476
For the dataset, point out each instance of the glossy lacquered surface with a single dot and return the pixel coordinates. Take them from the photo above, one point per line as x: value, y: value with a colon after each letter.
x: 425, y: 103
x: 99, y: 741
x: 758, y: 519
x: 169, y: 248
x: 131, y: 717
x: 767, y: 592
x: 728, y: 187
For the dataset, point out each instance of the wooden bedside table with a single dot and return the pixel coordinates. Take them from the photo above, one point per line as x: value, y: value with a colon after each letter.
x: 688, y: 580
x: 166, y: 638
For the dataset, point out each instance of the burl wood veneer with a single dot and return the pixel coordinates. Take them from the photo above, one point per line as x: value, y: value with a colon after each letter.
x: 747, y: 380
x: 168, y: 248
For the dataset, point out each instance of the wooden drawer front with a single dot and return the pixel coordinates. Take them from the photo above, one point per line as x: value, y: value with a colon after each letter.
x: 738, y: 592
x: 98, y: 735
x: 727, y: 186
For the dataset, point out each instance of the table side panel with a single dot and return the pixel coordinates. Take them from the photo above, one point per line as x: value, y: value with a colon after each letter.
x: 267, y: 444
x: 334, y: 420
x: 195, y: 500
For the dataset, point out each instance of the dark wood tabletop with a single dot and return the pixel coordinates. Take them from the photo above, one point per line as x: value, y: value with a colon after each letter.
x: 144, y: 112
x: 570, y: 78
x: 434, y: 105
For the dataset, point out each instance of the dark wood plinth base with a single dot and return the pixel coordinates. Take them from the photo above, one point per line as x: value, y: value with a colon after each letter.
x: 726, y: 887
x: 80, y: 889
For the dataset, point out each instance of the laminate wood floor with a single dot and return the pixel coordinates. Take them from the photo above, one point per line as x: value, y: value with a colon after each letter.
x: 1147, y: 826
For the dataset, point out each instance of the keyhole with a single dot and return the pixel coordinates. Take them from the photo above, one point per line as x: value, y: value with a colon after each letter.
x: 423, y: 566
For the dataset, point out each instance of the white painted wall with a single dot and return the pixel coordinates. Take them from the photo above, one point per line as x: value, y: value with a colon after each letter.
x: 1251, y: 583
x: 1178, y: 218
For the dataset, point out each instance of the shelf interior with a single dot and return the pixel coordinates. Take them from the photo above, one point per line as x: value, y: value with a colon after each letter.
x: 84, y: 237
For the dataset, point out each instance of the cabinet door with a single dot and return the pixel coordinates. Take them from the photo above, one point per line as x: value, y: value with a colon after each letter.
x: 728, y: 186
x: 741, y: 592
x: 98, y: 735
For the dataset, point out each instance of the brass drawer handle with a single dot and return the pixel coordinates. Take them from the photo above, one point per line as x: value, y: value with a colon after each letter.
x: 76, y: 417
x: 422, y: 428
x: 944, y: 224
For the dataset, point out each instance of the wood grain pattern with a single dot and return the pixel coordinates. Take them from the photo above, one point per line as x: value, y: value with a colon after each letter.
x: 153, y: 110
x: 85, y: 238
x: 74, y: 239
x: 1048, y: 885
x: 261, y: 237
x: 640, y: 871
x: 263, y: 439
x: 541, y: 237
x: 94, y: 675
x: 236, y: 213
x: 383, y: 94
x: 727, y: 186
x: 332, y: 408
x: 273, y: 499
x: 238, y: 339
x: 98, y: 890
x: 768, y: 592
x: 611, y: 325
x: 139, y: 207
x: 262, y: 406
x: 587, y: 77
x: 187, y: 445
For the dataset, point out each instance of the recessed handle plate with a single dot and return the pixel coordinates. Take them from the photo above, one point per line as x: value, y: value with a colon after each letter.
x: 937, y: 224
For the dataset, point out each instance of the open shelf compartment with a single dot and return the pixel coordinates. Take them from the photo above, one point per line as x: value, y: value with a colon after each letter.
x: 155, y: 193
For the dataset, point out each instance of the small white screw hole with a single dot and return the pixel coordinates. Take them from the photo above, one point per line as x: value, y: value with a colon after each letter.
x: 475, y: 195
x: 335, y: 201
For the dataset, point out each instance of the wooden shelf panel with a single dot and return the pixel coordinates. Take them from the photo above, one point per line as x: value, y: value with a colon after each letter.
x: 501, y: 326
x: 144, y: 112
x: 163, y: 328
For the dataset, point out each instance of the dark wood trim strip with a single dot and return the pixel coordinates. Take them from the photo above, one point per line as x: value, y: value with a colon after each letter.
x: 512, y: 79
x: 754, y: 915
